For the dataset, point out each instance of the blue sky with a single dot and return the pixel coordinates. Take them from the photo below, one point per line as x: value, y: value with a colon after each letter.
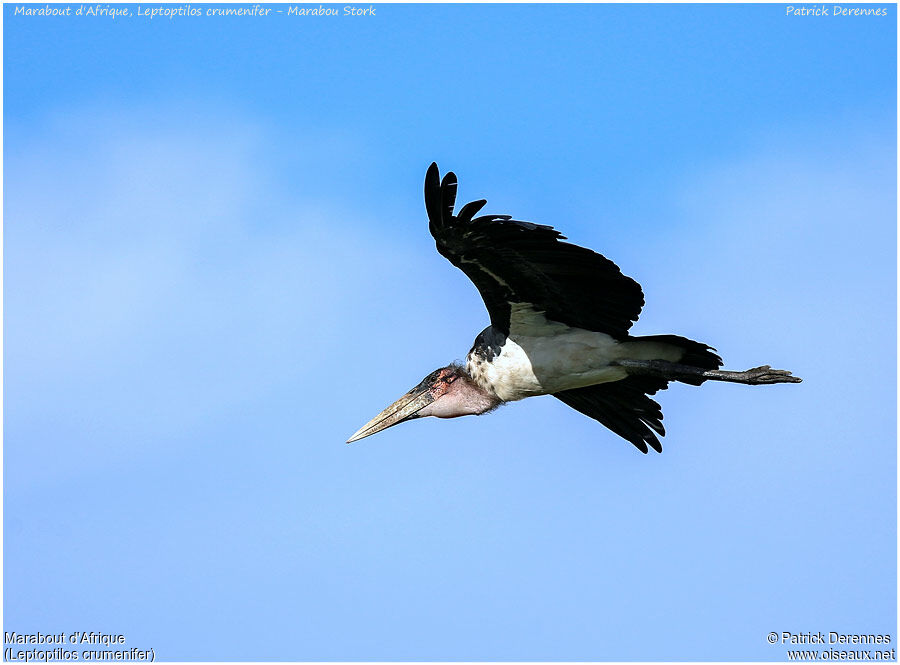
x: 217, y: 267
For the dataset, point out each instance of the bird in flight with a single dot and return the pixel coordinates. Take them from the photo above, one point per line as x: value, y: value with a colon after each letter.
x: 560, y: 316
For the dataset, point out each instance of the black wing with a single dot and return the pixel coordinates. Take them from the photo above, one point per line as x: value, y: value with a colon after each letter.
x: 623, y: 406
x: 518, y: 262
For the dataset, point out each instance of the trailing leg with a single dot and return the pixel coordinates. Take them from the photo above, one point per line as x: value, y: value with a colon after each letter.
x: 756, y: 376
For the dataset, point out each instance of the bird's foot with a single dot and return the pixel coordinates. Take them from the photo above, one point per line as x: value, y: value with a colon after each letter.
x: 764, y: 375
x: 757, y: 376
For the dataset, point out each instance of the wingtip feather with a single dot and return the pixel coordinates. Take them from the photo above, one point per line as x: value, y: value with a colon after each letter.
x: 448, y: 196
x: 468, y: 211
x: 433, y: 194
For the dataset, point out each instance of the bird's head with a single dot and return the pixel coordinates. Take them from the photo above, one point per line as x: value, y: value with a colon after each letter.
x: 448, y: 392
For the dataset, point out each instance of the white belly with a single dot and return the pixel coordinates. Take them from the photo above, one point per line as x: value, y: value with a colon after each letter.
x: 530, y: 365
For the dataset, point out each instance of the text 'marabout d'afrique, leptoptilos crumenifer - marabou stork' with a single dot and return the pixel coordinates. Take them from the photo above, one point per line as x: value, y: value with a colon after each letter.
x: 560, y: 316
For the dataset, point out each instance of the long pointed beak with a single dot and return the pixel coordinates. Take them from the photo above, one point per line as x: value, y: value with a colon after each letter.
x: 404, y: 408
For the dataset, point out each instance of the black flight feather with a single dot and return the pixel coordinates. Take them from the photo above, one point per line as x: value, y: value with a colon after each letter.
x: 510, y: 261
x: 623, y: 407
x: 467, y: 212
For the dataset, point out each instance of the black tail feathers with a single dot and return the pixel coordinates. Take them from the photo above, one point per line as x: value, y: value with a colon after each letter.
x: 695, y: 354
x: 625, y: 406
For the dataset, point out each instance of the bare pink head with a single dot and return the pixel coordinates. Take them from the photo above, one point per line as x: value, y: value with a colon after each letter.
x: 448, y: 392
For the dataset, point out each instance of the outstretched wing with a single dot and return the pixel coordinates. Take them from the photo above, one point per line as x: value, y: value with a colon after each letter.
x: 519, y: 262
x: 624, y: 407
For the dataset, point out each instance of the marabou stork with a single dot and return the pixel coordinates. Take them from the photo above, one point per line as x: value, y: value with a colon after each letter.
x: 560, y: 316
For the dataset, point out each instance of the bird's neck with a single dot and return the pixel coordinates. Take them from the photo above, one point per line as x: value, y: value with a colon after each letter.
x: 477, y: 399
